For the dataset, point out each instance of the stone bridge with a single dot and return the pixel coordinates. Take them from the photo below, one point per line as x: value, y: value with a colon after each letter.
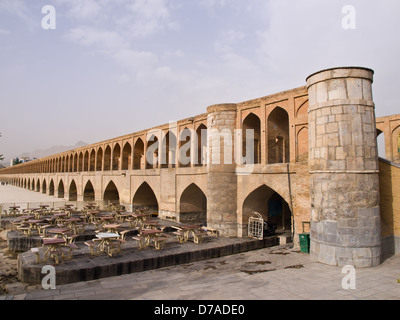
x: 266, y: 155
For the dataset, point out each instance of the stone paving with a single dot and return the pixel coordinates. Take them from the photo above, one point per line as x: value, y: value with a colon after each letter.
x: 275, y: 273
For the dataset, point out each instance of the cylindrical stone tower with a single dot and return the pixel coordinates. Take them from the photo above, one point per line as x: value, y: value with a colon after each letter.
x: 221, y: 175
x: 343, y: 163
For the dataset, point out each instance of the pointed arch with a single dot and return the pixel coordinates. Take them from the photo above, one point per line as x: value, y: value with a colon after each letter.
x: 145, y: 198
x: 302, y: 145
x: 116, y: 157
x: 201, y: 135
x: 99, y: 160
x: 44, y: 186
x: 253, y: 123
x: 278, y: 136
x: 60, y: 191
x: 107, y: 159
x: 168, y: 146
x: 88, y: 192
x: 111, y: 193
x: 51, y: 188
x: 138, y: 155
x: 73, y: 192
x: 92, y: 160
x: 126, y: 156
x: 193, y: 205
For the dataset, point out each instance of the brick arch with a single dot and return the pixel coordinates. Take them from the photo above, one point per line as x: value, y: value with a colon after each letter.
x: 265, y: 201
x: 192, y: 199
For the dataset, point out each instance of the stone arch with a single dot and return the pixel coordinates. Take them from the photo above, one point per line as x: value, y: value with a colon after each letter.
x: 116, y: 157
x: 145, y: 198
x: 252, y: 122
x: 88, y: 192
x: 80, y: 162
x: 92, y: 158
x: 152, y: 152
x: 60, y: 190
x: 111, y: 193
x: 86, y: 161
x: 193, y: 205
x: 184, y: 154
x: 75, y: 162
x: 51, y: 188
x: 33, y: 185
x: 201, y: 135
x: 37, y: 185
x: 138, y: 154
x: 126, y: 156
x: 270, y: 204
x: 169, y: 145
x: 278, y: 136
x: 99, y: 159
x: 73, y: 191
x: 107, y: 159
x: 44, y: 186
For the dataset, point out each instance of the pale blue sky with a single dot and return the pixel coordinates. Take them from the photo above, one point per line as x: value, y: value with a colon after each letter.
x: 113, y: 67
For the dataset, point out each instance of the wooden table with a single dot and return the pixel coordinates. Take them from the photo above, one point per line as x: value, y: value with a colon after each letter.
x: 53, y: 248
x: 59, y: 231
x: 111, y: 227
x: 150, y: 234
x: 188, y: 229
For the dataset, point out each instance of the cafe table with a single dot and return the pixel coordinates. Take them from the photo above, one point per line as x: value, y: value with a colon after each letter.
x: 187, y: 229
x: 108, y: 239
x: 53, y: 248
x: 111, y: 227
x: 150, y: 234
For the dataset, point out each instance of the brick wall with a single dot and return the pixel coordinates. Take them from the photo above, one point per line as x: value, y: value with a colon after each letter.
x: 389, y: 184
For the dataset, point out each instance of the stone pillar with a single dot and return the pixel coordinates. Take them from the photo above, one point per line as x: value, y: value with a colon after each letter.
x: 221, y: 175
x: 343, y: 163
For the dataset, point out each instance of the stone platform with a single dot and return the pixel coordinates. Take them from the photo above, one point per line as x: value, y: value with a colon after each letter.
x: 84, y: 267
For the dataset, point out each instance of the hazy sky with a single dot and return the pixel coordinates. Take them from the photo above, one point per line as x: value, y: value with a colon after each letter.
x: 113, y: 67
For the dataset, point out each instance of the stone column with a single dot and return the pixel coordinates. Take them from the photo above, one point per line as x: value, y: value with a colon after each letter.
x: 221, y: 175
x: 343, y: 163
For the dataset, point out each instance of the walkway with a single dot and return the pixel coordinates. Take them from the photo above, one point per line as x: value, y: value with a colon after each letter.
x: 276, y: 273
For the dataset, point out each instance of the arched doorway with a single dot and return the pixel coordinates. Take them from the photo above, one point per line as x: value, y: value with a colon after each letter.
x: 272, y: 207
x: 126, y: 156
x: 278, y: 136
x: 138, y: 154
x: 60, y: 193
x: 44, y: 187
x: 73, y: 192
x: 111, y: 193
x: 51, y: 188
x: 88, y: 193
x: 193, y: 205
x: 253, y: 123
x: 145, y: 199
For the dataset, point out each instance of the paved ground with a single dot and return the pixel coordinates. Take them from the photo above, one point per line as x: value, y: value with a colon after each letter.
x: 276, y: 273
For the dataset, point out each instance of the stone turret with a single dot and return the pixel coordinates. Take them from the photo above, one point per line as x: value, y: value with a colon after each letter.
x: 343, y: 163
x: 221, y: 175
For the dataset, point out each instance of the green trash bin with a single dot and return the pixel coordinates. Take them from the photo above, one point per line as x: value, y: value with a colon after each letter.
x: 304, y: 242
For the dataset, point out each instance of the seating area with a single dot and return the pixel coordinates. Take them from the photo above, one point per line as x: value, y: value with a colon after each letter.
x: 68, y: 233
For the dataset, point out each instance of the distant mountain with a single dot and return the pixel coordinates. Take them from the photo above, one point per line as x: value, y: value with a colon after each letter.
x: 50, y: 151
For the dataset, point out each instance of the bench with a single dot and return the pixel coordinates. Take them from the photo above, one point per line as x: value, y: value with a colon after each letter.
x: 198, y: 235
x: 93, y: 247
x: 180, y: 235
x: 159, y: 242
x: 140, y: 240
x: 71, y: 247
x: 114, y: 246
x: 213, y: 232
